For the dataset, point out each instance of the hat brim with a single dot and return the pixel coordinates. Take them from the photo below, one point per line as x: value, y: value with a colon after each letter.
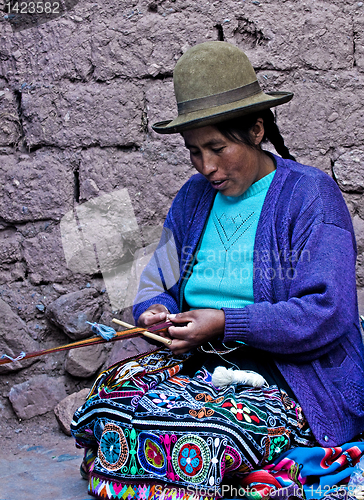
x: 223, y: 112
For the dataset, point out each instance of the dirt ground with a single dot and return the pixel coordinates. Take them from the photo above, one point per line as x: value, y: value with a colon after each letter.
x: 39, y: 462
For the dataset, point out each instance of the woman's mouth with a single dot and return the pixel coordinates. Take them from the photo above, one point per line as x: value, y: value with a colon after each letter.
x: 218, y: 184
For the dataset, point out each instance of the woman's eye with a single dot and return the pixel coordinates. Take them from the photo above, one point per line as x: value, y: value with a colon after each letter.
x: 217, y: 150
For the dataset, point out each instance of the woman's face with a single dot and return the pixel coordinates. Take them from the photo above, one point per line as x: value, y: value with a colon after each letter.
x: 231, y: 167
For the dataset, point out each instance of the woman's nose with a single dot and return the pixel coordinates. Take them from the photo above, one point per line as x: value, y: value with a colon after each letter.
x: 208, y: 165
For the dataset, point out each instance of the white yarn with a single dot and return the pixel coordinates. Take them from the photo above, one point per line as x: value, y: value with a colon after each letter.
x: 223, y: 377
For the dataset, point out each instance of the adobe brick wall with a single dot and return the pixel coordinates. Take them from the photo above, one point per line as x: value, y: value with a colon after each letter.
x: 78, y: 95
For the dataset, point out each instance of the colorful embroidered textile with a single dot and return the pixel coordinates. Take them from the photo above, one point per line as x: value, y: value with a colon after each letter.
x: 150, y: 424
x: 318, y: 472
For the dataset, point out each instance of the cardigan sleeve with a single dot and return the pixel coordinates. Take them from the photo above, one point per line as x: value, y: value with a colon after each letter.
x: 320, y: 305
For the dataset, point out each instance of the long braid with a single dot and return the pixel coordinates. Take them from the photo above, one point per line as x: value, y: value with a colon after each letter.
x: 274, y: 136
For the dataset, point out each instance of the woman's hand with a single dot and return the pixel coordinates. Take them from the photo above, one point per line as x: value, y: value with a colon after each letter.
x: 203, y: 325
x: 154, y: 314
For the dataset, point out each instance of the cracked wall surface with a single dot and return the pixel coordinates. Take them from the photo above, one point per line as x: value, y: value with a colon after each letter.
x: 78, y: 95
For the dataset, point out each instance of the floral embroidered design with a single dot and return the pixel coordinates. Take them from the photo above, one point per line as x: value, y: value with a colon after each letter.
x: 162, y: 400
x: 168, y: 441
x: 153, y: 454
x: 240, y: 411
x: 132, y: 467
x: 113, y: 449
x: 191, y: 458
x: 278, y: 445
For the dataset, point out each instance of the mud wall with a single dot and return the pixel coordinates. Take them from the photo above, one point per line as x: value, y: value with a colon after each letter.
x: 78, y: 95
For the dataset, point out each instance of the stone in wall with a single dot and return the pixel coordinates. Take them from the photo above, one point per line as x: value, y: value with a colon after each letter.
x: 360, y: 270
x: 10, y: 249
x: 160, y: 106
x: 101, y: 41
x: 358, y: 28
x: 86, y: 361
x: 353, y: 202
x: 152, y: 176
x: 330, y: 100
x: 10, y: 125
x: 360, y: 206
x: 71, y: 311
x: 57, y: 49
x: 131, y: 46
x: 313, y: 35
x: 90, y: 44
x: 74, y: 115
x: 14, y: 339
x: 361, y: 302
x: 37, y: 396
x: 44, y: 257
x: 66, y: 408
x: 358, y: 224
x: 101, y: 233
x: 11, y: 269
x: 15, y: 271
x: 35, y: 186
x: 349, y: 171
x: 141, y: 259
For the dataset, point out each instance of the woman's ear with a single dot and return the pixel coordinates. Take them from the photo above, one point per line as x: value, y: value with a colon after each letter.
x: 257, y: 132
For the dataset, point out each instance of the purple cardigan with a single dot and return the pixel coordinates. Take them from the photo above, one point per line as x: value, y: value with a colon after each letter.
x: 305, y: 312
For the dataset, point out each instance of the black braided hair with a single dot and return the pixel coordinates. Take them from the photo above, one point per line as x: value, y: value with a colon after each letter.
x: 238, y: 129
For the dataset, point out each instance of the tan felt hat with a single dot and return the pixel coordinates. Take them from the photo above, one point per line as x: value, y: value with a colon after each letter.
x: 214, y: 82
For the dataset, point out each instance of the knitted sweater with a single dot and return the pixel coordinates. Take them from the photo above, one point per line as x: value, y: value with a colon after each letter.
x: 305, y: 312
x: 223, y: 273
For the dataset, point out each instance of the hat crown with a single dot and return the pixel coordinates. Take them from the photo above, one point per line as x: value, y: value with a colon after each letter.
x: 211, y: 68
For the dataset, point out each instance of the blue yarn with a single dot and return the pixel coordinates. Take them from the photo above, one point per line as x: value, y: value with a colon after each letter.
x: 106, y: 332
x: 18, y: 358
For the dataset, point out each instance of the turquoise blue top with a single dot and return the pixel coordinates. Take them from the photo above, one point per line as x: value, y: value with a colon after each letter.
x: 223, y: 273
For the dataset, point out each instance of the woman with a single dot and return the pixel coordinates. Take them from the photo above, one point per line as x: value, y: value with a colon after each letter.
x: 265, y: 253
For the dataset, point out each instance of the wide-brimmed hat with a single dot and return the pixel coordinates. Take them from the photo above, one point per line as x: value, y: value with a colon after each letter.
x: 213, y: 82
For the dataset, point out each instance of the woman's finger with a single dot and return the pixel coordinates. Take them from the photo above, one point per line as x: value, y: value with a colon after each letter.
x: 155, y: 318
x: 180, y: 317
x: 152, y: 315
x: 179, y: 332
